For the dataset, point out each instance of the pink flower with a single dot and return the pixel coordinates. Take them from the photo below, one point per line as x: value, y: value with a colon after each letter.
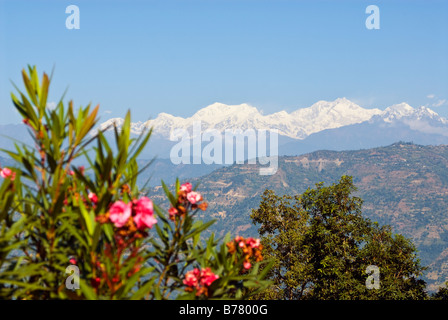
x: 144, y: 221
x: 172, y: 211
x: 119, y: 213
x: 93, y: 197
x: 247, y: 265
x: 194, y: 197
x: 191, y: 278
x: 144, y: 213
x: 197, y: 278
x: 253, y: 243
x: 186, y: 187
x: 7, y: 173
x: 144, y: 206
x: 207, y: 277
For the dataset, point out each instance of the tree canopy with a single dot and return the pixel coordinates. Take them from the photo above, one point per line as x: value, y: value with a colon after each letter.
x: 322, y: 247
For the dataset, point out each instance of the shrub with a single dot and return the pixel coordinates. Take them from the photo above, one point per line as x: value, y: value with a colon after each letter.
x: 72, y: 199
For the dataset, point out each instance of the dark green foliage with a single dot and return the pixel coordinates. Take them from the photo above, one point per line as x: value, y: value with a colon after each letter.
x: 322, y: 245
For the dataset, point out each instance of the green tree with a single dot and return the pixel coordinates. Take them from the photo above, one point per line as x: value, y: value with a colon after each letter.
x: 321, y: 246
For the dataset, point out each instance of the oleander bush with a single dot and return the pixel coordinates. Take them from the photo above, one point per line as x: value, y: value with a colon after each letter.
x: 75, y: 225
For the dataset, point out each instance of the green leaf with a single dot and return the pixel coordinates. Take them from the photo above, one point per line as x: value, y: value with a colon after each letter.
x: 75, y: 232
x: 29, y: 86
x: 146, y: 289
x: 198, y: 227
x: 172, y: 199
x: 87, y: 290
x: 162, y: 216
x: 89, y: 217
x: 44, y: 91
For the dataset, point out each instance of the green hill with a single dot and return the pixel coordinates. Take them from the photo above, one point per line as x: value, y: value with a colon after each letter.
x: 404, y: 185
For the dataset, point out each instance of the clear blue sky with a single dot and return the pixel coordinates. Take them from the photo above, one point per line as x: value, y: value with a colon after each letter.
x: 179, y: 56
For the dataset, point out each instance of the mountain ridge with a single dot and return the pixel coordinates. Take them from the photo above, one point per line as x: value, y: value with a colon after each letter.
x: 299, y: 124
x: 336, y: 125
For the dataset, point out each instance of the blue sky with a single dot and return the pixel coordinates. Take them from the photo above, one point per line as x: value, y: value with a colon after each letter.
x: 179, y: 56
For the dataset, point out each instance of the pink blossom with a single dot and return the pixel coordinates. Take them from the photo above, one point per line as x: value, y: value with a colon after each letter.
x: 93, y: 197
x: 144, y: 221
x: 144, y: 213
x: 186, y: 187
x: 119, y: 213
x: 191, y: 278
x: 247, y: 265
x: 7, y: 173
x: 172, y: 211
x: 144, y: 206
x: 253, y: 243
x: 207, y: 277
x: 194, y: 197
x: 197, y: 278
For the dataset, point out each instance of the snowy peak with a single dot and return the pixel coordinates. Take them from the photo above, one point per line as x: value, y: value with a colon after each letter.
x: 220, y: 109
x: 342, y: 108
x: 298, y: 124
x: 215, y: 116
x: 402, y: 108
x: 218, y: 112
x: 340, y: 103
x: 403, y: 111
x: 332, y: 114
x: 424, y: 112
x: 109, y: 123
x: 397, y: 111
x: 343, y: 105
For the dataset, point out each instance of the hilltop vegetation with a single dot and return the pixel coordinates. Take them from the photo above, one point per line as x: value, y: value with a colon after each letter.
x: 323, y: 247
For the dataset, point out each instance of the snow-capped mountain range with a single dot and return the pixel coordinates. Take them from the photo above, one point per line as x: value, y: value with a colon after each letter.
x: 323, y: 115
x: 332, y: 125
